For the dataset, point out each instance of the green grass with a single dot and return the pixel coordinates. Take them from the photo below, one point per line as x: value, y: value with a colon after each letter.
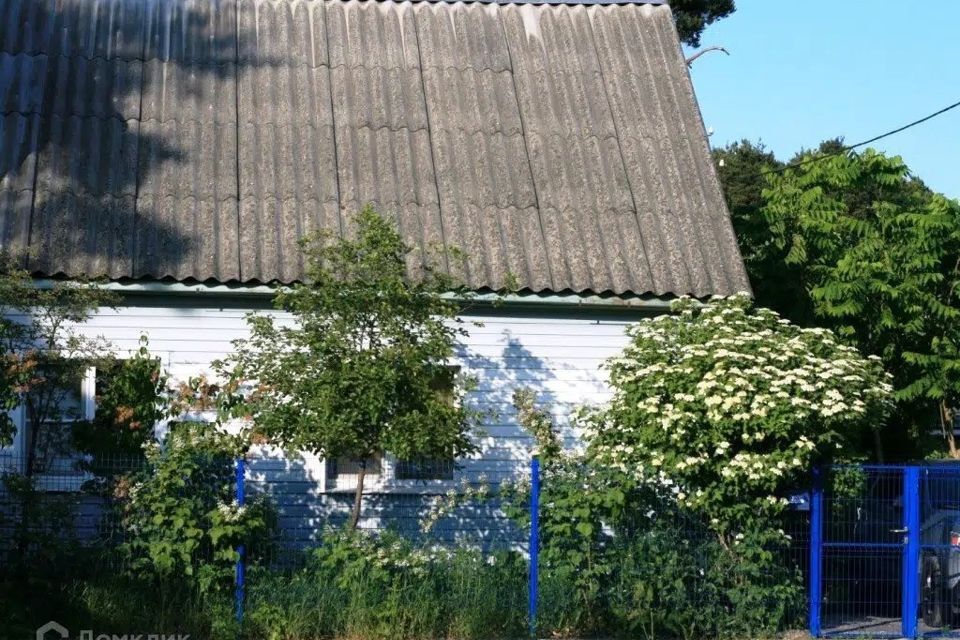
x: 462, y: 600
x: 342, y: 594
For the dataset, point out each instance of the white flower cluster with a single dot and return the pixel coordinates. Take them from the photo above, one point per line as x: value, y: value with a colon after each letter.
x: 443, y: 505
x: 734, y: 393
x: 232, y: 512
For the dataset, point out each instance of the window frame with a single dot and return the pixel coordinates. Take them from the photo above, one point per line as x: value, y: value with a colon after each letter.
x: 374, y: 482
x: 58, y: 483
x: 52, y: 482
x: 389, y: 483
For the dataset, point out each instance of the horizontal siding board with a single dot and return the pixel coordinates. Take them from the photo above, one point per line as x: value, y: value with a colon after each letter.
x: 503, y: 354
x: 507, y: 339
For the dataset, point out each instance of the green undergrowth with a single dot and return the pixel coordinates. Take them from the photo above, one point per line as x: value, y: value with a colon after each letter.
x: 362, y: 587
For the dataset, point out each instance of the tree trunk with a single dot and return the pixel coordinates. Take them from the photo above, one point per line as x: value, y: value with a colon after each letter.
x: 946, y: 426
x: 358, y: 496
x: 878, y: 445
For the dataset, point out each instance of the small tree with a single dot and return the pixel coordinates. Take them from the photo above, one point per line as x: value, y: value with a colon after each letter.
x: 45, y: 354
x: 358, y: 373
x: 44, y: 359
x: 727, y: 407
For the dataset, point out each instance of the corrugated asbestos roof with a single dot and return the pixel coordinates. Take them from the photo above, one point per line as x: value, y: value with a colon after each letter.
x: 557, y: 145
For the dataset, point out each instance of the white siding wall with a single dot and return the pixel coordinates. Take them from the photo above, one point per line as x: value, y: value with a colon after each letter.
x: 558, y: 353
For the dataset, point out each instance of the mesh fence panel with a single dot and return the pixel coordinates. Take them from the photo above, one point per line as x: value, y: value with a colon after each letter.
x: 659, y: 571
x: 62, y: 509
x: 430, y: 510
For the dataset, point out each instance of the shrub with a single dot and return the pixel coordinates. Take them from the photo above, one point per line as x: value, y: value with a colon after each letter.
x: 672, y: 520
x: 180, y: 517
x: 728, y: 406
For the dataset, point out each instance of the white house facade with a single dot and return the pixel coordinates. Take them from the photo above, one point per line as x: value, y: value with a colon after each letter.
x: 181, y: 148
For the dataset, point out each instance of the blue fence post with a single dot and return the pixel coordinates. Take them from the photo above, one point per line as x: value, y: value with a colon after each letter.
x: 534, y: 543
x: 241, y: 550
x: 911, y: 551
x: 816, y: 551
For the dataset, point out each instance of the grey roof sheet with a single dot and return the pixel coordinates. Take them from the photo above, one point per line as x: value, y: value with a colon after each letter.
x: 559, y: 146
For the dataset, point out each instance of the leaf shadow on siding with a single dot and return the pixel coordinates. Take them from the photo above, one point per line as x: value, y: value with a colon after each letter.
x: 515, y: 367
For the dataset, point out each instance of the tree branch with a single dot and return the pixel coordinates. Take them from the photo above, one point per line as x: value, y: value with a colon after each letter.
x: 693, y: 58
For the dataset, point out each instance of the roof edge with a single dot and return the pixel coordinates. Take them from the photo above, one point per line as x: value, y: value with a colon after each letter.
x: 537, y: 2
x: 262, y: 292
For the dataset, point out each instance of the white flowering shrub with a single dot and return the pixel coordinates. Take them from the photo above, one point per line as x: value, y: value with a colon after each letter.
x: 621, y: 553
x: 444, y: 505
x: 727, y: 406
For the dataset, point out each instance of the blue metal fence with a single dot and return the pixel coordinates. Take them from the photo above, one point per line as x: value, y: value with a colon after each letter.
x: 885, y: 551
x: 240, y: 583
x: 534, y: 581
x: 661, y: 557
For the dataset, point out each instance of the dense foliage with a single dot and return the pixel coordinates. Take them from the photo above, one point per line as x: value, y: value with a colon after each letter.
x: 362, y: 370
x: 180, y: 515
x: 727, y: 406
x: 745, y: 170
x: 854, y: 242
x: 672, y: 521
x: 44, y: 354
x: 623, y: 554
x: 132, y: 397
x: 879, y: 256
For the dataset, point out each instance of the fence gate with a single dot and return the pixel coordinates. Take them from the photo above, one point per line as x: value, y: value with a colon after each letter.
x: 885, y: 551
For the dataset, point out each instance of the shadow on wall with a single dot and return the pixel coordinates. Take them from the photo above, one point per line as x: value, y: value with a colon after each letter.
x: 294, y: 481
x: 112, y: 114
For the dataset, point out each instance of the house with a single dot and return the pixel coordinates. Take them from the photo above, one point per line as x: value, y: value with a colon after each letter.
x: 182, y: 147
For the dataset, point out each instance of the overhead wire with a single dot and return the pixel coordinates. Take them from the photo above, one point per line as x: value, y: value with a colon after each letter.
x: 851, y: 147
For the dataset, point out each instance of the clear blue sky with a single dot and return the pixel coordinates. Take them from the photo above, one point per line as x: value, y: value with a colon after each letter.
x: 803, y: 71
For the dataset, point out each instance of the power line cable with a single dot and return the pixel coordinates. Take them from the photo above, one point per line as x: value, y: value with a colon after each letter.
x: 851, y: 147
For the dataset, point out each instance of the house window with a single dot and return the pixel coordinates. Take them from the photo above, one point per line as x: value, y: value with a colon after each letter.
x: 424, y: 469
x: 343, y: 473
x: 59, y: 408
x: 63, y: 404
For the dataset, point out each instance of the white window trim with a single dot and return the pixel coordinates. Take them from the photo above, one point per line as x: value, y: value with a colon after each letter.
x: 388, y: 483
x: 52, y: 483
x: 423, y: 486
x: 372, y: 483
x: 55, y: 483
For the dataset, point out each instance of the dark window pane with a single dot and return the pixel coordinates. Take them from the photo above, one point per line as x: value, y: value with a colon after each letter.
x: 425, y: 469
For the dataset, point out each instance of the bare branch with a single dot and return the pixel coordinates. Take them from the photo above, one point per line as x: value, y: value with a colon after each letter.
x: 692, y: 58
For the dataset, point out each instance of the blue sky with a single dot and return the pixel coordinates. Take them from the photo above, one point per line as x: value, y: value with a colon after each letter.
x: 803, y: 71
